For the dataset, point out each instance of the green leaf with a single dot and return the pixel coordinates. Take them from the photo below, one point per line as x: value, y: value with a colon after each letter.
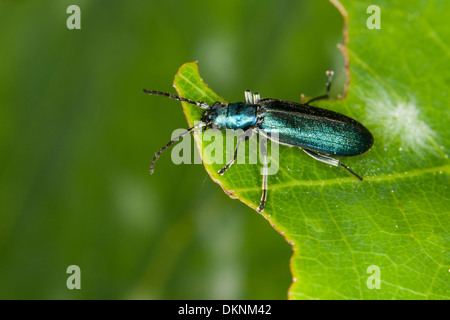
x: 394, y: 226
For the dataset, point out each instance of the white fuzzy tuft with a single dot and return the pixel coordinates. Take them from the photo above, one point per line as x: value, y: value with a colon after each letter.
x: 400, y: 120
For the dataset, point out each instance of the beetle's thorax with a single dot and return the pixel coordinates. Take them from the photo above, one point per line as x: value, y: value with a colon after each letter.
x: 234, y: 116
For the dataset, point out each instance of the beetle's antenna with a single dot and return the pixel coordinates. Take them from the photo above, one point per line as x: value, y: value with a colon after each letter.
x: 200, y: 104
x: 158, y: 154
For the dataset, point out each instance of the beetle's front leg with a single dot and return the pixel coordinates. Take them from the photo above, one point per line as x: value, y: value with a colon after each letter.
x: 251, y: 98
x: 247, y: 135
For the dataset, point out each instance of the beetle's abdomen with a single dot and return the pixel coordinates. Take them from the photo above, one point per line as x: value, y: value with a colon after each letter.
x: 317, y: 129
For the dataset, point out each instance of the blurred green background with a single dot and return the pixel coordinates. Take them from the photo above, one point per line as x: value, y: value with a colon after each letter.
x: 77, y: 136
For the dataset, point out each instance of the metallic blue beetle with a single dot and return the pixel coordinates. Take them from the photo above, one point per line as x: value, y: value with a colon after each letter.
x: 319, y: 132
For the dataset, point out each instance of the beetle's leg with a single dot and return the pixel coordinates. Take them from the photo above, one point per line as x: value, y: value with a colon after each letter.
x: 248, y: 97
x: 329, y: 74
x: 256, y: 97
x: 331, y: 161
x: 242, y: 137
x: 251, y: 98
x: 262, y: 203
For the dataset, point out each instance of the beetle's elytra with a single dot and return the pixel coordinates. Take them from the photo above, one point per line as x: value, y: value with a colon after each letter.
x: 319, y: 132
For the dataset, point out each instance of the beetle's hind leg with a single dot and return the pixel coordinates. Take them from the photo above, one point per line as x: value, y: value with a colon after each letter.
x: 330, y: 161
x: 330, y: 75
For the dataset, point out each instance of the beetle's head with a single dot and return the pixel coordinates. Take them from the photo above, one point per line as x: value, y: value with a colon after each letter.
x: 215, y: 116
